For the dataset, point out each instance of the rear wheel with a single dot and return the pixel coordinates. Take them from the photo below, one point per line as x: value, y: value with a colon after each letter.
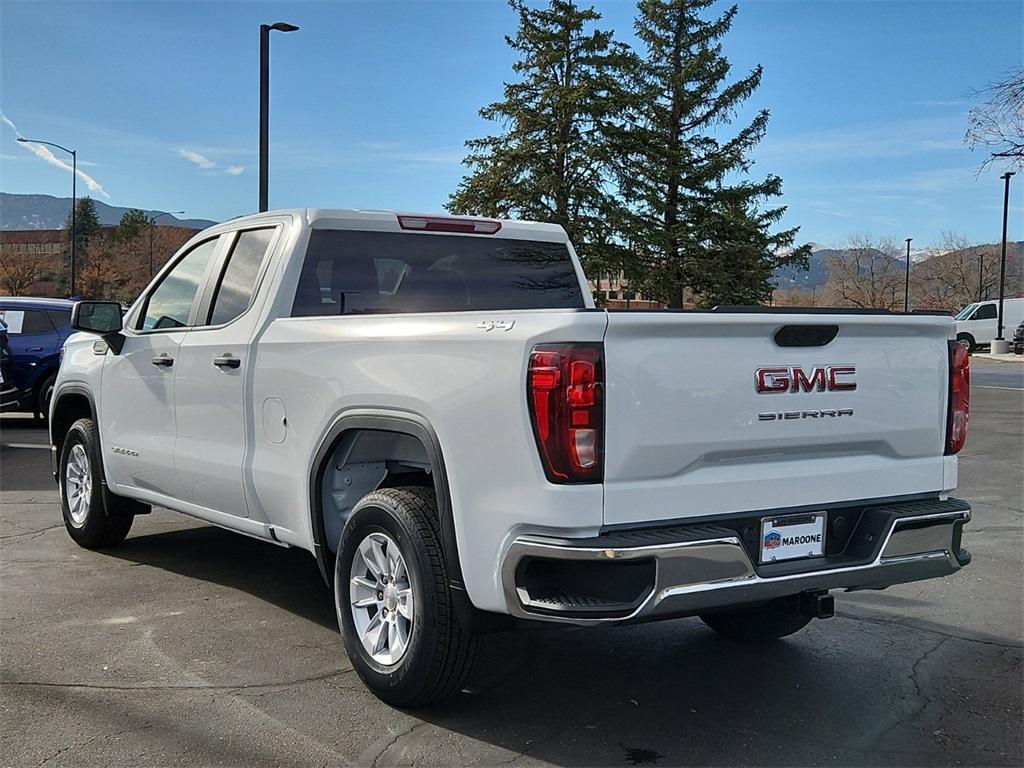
x: 88, y: 518
x: 758, y: 623
x: 394, y: 603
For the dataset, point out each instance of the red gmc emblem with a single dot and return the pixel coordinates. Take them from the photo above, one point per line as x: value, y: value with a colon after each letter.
x: 823, y: 378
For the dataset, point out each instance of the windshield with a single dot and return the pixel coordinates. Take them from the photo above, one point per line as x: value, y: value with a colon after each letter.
x: 966, y: 312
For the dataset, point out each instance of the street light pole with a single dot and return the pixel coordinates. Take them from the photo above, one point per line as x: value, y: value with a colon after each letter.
x: 906, y: 290
x: 981, y: 274
x: 265, y: 104
x: 74, y: 198
x: 1002, y: 259
x: 152, y: 227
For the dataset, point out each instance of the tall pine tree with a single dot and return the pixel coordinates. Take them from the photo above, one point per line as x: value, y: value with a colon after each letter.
x: 550, y: 162
x: 693, y: 217
x: 87, y: 223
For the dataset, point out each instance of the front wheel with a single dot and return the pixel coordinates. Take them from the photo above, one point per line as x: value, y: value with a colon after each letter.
x: 86, y: 516
x: 966, y: 341
x: 44, y: 394
x: 759, y: 623
x: 394, y: 603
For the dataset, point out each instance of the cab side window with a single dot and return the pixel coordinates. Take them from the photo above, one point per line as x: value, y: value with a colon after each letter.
x: 986, y: 312
x: 238, y: 281
x: 170, y: 303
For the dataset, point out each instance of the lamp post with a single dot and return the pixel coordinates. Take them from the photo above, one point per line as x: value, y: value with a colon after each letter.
x: 906, y: 290
x: 74, y: 196
x: 265, y: 29
x: 1002, y: 259
x: 981, y: 274
x: 152, y: 227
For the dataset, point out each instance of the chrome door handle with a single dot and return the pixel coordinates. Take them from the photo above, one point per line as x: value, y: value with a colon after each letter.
x: 163, y: 361
x: 34, y: 349
x: 227, y: 361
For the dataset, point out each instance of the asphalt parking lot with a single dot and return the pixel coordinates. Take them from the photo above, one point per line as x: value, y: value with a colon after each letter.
x: 189, y: 645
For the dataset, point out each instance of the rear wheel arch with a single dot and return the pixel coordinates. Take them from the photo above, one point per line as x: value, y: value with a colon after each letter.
x: 404, y: 441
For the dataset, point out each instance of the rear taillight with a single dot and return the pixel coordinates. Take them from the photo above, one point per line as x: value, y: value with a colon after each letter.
x: 959, y: 397
x: 564, y: 387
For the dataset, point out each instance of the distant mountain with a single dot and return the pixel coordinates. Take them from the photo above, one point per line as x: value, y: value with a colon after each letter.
x: 48, y: 212
x: 789, y: 278
x: 816, y: 275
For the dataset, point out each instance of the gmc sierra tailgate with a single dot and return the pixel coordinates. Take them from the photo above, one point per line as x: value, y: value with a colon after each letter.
x: 719, y: 412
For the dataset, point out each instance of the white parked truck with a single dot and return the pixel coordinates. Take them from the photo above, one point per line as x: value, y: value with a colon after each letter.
x: 434, y: 408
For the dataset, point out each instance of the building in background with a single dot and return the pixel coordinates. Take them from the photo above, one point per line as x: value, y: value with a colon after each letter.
x: 36, y: 262
x: 612, y: 291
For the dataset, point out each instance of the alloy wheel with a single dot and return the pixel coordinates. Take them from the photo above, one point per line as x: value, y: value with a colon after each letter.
x: 381, y: 598
x: 78, y: 485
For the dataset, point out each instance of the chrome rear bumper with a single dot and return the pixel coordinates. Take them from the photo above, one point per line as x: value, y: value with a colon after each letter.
x: 698, y: 568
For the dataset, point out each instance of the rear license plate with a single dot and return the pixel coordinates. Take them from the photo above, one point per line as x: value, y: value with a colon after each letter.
x: 792, y: 536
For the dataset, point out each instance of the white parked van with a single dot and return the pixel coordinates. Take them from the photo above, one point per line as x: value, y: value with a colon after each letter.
x: 977, y: 324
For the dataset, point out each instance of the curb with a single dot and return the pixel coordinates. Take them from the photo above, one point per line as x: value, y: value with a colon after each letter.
x: 1009, y: 358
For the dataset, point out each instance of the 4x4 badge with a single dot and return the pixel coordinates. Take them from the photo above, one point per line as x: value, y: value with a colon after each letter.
x: 496, y: 325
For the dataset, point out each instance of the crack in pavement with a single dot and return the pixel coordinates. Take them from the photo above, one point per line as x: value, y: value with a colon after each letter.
x: 397, y: 737
x: 33, y: 534
x: 923, y: 698
x: 193, y: 687
x: 918, y: 628
x: 94, y: 739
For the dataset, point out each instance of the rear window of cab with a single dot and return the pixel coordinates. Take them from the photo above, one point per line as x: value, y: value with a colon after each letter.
x: 350, y: 272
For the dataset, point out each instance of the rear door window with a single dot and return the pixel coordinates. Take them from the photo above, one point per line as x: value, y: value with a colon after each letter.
x: 351, y: 272
x: 26, y: 322
x: 237, y: 283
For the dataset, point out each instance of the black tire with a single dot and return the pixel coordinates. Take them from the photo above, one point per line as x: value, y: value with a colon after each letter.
x: 966, y: 341
x: 44, y: 393
x: 440, y: 651
x: 759, y: 623
x: 95, y: 525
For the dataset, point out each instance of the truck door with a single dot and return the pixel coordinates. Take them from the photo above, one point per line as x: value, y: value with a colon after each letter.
x: 211, y: 401
x: 984, y: 321
x: 136, y: 405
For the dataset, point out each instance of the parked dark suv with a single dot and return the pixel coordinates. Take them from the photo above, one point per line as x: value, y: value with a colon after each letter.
x: 36, y: 330
x: 1018, y: 340
x: 8, y: 392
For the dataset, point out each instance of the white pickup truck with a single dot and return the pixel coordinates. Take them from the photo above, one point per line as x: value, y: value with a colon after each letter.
x: 434, y: 408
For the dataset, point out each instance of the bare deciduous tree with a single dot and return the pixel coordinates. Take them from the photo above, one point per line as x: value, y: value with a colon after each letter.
x: 796, y: 297
x: 20, y: 271
x: 868, y: 273
x: 952, y: 277
x: 997, y: 126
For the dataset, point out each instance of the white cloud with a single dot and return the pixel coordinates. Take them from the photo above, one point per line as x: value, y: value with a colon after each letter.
x: 194, y: 157
x: 234, y: 170
x: 43, y: 152
x: 939, y: 103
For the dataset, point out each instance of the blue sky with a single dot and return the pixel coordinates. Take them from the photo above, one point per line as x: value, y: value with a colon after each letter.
x: 371, y: 102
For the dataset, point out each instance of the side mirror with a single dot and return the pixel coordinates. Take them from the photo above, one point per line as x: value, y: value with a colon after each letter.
x: 99, y: 317
x: 102, y: 318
